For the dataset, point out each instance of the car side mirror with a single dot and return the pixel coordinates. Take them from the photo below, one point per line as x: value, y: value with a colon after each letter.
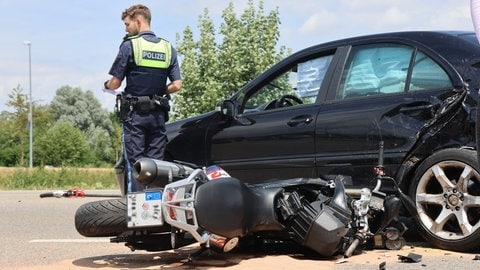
x: 226, y: 107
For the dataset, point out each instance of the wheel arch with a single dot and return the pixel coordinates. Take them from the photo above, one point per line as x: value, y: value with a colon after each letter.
x: 412, y: 162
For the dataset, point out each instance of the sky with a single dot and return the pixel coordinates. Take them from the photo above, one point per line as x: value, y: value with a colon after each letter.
x: 74, y: 42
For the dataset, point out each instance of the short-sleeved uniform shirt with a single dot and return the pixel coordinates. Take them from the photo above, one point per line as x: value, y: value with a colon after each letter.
x: 124, y: 61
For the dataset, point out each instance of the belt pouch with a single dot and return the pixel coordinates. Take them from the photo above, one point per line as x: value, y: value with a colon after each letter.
x: 144, y: 104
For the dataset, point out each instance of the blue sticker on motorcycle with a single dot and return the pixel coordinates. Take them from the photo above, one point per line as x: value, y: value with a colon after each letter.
x: 153, y: 196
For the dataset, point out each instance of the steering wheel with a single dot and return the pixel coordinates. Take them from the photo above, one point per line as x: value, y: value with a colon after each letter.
x: 286, y: 101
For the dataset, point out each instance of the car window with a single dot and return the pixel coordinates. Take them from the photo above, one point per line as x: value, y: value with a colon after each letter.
x: 383, y: 68
x: 299, y: 85
x: 310, y: 76
x: 375, y: 69
x: 427, y: 74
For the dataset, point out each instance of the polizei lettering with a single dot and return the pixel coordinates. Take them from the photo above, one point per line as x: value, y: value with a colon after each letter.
x: 158, y: 56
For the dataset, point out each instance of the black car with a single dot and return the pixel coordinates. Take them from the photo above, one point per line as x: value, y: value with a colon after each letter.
x: 323, y: 111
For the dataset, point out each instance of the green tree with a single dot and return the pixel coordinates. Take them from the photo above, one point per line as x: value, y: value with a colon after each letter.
x: 63, y: 145
x: 249, y: 45
x: 14, y: 130
x: 84, y: 111
x: 16, y: 123
x: 10, y: 146
x: 201, y: 65
x: 213, y: 69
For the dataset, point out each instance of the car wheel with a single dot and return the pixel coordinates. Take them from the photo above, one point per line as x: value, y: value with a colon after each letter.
x: 446, y: 191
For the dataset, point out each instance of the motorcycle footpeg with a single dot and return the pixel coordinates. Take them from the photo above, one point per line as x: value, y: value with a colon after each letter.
x: 197, y: 253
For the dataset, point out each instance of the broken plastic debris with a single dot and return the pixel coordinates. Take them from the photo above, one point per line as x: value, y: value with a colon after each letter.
x: 410, y: 258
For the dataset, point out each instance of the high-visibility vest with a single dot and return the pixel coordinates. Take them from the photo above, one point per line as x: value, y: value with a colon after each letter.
x: 151, y: 54
x: 152, y: 60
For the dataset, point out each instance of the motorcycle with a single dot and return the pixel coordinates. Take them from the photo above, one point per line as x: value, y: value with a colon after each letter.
x: 185, y: 204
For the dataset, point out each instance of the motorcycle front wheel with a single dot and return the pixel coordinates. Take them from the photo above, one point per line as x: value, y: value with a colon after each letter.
x: 102, y: 218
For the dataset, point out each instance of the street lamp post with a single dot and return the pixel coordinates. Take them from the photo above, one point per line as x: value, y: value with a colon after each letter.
x: 30, y: 118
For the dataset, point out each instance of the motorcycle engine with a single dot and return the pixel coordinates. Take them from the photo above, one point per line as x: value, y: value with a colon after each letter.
x: 317, y: 225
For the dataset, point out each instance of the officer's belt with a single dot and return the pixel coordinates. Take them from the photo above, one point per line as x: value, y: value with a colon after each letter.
x: 142, y: 104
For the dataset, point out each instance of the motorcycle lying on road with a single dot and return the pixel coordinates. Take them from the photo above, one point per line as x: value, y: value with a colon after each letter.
x: 187, y: 204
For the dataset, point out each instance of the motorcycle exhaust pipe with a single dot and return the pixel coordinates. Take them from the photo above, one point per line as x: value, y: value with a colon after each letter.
x: 153, y: 172
x: 222, y: 244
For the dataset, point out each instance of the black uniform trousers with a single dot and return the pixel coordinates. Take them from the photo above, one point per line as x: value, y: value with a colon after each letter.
x: 143, y: 135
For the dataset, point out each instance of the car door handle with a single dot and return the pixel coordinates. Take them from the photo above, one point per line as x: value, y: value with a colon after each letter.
x: 416, y: 107
x: 300, y: 120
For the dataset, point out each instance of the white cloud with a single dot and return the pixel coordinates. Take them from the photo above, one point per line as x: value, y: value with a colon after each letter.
x: 318, y: 22
x: 314, y: 22
x: 395, y: 16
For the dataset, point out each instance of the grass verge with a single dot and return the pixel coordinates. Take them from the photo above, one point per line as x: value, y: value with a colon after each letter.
x: 57, y: 178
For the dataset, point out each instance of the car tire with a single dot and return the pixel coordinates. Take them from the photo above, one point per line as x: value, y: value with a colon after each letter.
x: 446, y: 191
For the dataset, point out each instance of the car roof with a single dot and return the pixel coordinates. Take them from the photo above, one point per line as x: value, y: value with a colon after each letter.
x: 465, y: 43
x: 424, y: 37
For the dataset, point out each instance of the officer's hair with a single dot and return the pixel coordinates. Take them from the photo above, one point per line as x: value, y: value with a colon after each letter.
x: 136, y: 10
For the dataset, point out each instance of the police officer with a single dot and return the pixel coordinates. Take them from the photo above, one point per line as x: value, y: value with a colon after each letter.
x: 146, y: 62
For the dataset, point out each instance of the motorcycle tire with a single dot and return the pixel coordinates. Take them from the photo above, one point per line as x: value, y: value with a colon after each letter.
x: 102, y: 218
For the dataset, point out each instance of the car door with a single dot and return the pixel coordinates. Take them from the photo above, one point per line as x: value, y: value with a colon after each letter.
x: 272, y: 136
x: 387, y: 92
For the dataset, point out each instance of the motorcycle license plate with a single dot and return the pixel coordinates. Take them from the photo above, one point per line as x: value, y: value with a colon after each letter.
x: 144, y: 209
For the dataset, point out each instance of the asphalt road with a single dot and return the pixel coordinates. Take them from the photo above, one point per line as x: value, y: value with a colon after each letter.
x: 39, y: 233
